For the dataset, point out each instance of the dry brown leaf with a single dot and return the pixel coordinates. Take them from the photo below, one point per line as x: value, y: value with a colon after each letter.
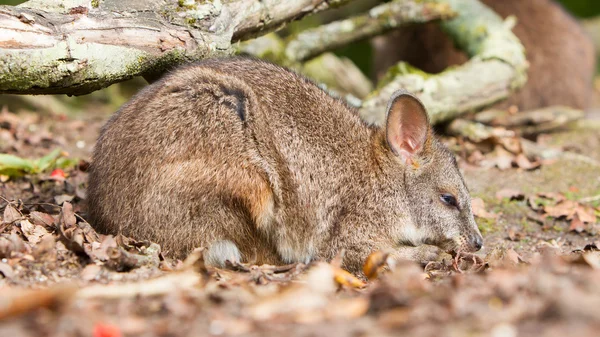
x: 6, y: 270
x: 501, y: 158
x: 344, y: 278
x: 576, y: 224
x: 375, y: 263
x: 90, y: 272
x: 11, y: 243
x: 511, y: 194
x: 11, y: 214
x: 514, y: 234
x: 67, y: 216
x: 592, y: 259
x: 478, y: 207
x: 511, y: 144
x: 523, y: 162
x: 46, y: 245
x: 63, y: 198
x: 513, y: 256
x: 586, y: 214
x: 32, y: 232
x: 557, y: 197
x: 42, y: 219
x: 348, y: 308
x: 562, y: 209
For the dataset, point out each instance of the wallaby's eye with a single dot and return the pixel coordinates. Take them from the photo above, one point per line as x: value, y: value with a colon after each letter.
x: 448, y: 199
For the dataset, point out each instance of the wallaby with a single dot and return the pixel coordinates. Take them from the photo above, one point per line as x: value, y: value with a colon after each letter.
x: 257, y: 163
x: 561, y: 56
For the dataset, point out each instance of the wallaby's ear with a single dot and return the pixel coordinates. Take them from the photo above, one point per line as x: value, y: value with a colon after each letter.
x: 407, y: 125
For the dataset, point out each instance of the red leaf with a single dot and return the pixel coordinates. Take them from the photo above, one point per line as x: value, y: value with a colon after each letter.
x: 105, y: 330
x: 58, y: 174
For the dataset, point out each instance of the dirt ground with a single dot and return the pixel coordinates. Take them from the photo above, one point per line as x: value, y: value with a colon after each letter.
x: 539, y: 275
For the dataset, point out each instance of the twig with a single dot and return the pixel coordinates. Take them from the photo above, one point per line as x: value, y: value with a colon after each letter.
x: 533, y: 149
x: 15, y: 304
x: 158, y: 286
x: 533, y: 122
x: 590, y: 199
x: 476, y: 132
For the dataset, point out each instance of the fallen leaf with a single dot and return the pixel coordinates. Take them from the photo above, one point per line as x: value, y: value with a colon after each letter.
x: 11, y: 214
x: 67, y: 216
x: 63, y: 198
x: 375, y: 263
x: 11, y: 243
x: 576, y: 225
x: 592, y: 259
x: 348, y: 308
x: 105, y: 330
x: 32, y: 232
x: 511, y: 144
x: 562, y: 209
x: 478, y: 207
x: 90, y: 272
x: 58, y: 174
x: 6, y: 270
x: 46, y: 245
x: 510, y: 194
x: 558, y: 197
x: 513, y: 256
x: 42, y: 219
x: 585, y: 214
x: 344, y: 278
x: 523, y: 162
x: 514, y: 234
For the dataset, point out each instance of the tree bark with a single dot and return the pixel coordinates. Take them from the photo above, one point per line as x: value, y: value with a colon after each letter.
x: 76, y: 47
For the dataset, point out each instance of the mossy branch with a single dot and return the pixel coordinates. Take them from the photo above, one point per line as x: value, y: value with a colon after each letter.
x: 497, y: 68
x: 378, y: 20
x: 76, y: 46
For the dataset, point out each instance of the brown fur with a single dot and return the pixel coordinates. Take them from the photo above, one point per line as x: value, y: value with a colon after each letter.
x: 561, y: 56
x: 243, y: 154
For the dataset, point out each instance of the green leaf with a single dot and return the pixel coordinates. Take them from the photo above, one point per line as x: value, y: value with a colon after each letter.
x: 10, y: 164
x: 47, y: 161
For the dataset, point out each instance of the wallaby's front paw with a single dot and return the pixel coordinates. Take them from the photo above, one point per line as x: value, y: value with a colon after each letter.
x: 422, y: 254
x: 428, y: 253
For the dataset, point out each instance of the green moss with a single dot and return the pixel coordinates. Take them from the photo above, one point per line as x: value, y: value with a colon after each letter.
x: 187, y: 4
x: 95, y: 3
x: 401, y: 69
x: 487, y: 226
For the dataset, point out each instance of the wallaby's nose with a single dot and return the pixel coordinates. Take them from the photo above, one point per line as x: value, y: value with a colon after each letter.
x: 477, y: 242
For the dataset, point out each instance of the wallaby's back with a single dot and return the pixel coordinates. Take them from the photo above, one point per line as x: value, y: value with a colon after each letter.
x: 216, y: 150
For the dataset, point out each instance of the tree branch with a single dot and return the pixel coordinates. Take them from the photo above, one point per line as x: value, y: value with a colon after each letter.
x: 497, y: 67
x: 49, y: 47
x: 378, y: 20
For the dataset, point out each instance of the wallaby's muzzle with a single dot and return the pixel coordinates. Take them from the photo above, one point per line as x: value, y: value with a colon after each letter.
x: 469, y: 243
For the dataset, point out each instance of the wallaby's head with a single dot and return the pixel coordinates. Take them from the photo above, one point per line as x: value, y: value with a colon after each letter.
x: 436, y: 197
